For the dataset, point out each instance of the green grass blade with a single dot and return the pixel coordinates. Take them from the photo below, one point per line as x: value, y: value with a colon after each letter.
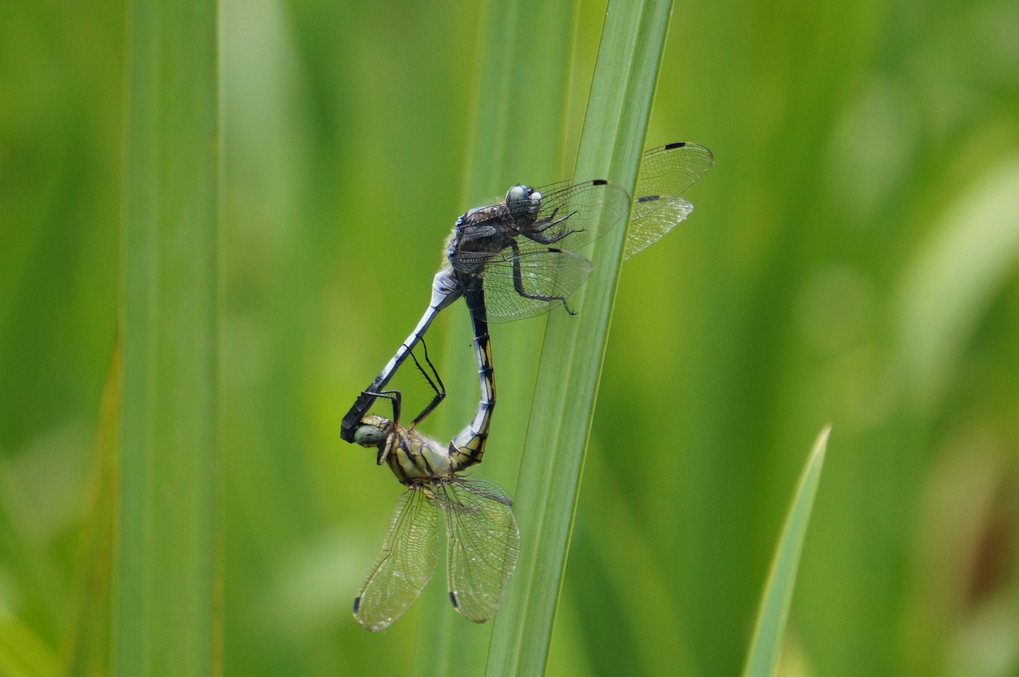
x: 766, y: 643
x: 164, y: 587
x: 632, y: 41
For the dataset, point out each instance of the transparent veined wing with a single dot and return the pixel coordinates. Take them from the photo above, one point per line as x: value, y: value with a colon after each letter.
x: 665, y: 173
x: 410, y: 552
x: 482, y: 545
x: 532, y: 283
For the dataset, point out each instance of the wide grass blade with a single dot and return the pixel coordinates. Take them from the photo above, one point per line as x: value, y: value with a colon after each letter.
x: 766, y: 644
x: 164, y: 586
x: 632, y: 41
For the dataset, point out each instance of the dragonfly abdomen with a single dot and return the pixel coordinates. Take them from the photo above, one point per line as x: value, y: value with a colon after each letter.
x: 468, y: 447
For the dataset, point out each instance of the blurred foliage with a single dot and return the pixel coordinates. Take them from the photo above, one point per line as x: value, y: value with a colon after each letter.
x: 852, y: 259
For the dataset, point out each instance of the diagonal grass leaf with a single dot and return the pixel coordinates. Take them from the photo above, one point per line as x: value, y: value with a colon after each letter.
x: 765, y: 645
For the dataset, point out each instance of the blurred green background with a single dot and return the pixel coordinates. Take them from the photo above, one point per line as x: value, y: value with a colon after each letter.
x: 852, y: 259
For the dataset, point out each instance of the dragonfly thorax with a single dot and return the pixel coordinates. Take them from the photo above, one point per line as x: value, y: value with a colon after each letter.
x: 484, y: 234
x: 479, y: 235
x: 411, y: 456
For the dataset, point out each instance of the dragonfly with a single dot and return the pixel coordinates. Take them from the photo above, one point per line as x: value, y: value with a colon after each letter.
x: 483, y: 541
x: 482, y: 537
x: 516, y: 258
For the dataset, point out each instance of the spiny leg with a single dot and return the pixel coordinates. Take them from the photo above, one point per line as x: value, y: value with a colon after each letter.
x: 550, y: 221
x: 437, y: 385
x: 518, y: 281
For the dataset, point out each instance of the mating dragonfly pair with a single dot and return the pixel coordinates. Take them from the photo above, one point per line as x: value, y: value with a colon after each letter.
x: 510, y: 260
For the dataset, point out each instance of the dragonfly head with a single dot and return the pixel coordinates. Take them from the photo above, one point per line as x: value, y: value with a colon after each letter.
x: 374, y: 431
x: 369, y: 435
x: 523, y: 202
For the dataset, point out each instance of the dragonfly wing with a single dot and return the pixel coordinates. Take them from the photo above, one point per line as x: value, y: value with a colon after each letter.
x: 665, y: 173
x: 482, y: 546
x: 576, y: 214
x: 653, y: 217
x: 530, y: 282
x: 410, y: 552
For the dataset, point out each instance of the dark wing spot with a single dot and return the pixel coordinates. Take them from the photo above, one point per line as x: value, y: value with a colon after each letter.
x: 357, y: 603
x: 452, y: 598
x: 649, y: 198
x: 599, y: 182
x: 675, y: 144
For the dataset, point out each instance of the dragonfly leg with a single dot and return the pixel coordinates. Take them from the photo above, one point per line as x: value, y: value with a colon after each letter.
x: 437, y: 385
x: 518, y: 282
x: 550, y: 221
x: 395, y: 397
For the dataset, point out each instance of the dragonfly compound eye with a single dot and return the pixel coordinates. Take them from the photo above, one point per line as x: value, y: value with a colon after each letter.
x: 523, y: 201
x: 369, y: 436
